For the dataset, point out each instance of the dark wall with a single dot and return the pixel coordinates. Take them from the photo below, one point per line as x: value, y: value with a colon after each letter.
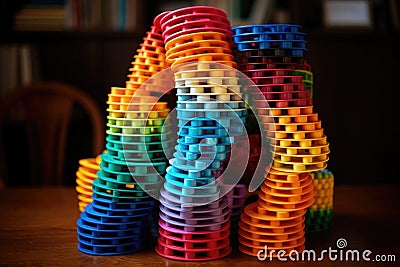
x: 356, y: 84
x: 94, y: 65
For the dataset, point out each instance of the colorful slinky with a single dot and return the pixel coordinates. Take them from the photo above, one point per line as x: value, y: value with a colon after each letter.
x: 118, y: 219
x: 194, y: 219
x: 319, y: 215
x: 86, y: 174
x: 272, y: 56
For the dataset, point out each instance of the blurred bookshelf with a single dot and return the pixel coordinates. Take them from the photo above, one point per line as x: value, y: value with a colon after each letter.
x: 36, y: 33
x: 52, y: 36
x: 76, y: 15
x: 131, y: 15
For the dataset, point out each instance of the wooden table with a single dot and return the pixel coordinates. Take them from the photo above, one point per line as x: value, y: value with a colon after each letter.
x: 37, y: 227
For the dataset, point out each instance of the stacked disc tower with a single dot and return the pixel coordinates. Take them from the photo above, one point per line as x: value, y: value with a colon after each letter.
x: 194, y: 219
x: 273, y: 57
x: 236, y: 202
x: 116, y: 222
x: 319, y: 215
x: 86, y: 174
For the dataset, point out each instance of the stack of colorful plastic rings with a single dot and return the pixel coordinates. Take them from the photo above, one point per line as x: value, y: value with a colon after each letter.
x: 117, y: 221
x: 298, y: 138
x: 194, y: 19
x: 134, y: 143
x: 296, y: 134
x: 196, y: 34
x: 193, y: 233
x: 108, y: 227
x: 271, y: 38
x: 203, y: 145
x: 273, y: 57
x: 194, y: 219
x: 86, y: 174
x: 276, y: 220
x: 149, y: 60
x: 236, y: 199
x: 273, y: 46
x: 200, y: 47
x: 255, y: 152
x: 308, y: 79
x: 319, y: 215
x: 283, y: 106
x: 131, y: 166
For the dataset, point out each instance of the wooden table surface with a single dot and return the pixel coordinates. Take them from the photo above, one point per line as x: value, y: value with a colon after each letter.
x: 37, y: 227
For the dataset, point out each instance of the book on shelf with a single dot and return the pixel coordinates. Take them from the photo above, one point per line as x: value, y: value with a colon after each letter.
x: 395, y: 14
x: 39, y: 17
x: 112, y: 15
x: 19, y: 65
x: 261, y: 11
x: 9, y: 68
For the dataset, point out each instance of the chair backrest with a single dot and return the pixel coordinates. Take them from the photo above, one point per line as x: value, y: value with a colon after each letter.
x: 46, y: 109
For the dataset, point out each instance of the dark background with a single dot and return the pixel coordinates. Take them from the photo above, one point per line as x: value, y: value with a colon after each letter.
x: 356, y: 83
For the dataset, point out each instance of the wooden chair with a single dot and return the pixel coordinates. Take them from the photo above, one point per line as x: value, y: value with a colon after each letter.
x: 46, y: 109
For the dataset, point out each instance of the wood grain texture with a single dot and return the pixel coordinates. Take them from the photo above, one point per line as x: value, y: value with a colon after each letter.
x: 38, y: 227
